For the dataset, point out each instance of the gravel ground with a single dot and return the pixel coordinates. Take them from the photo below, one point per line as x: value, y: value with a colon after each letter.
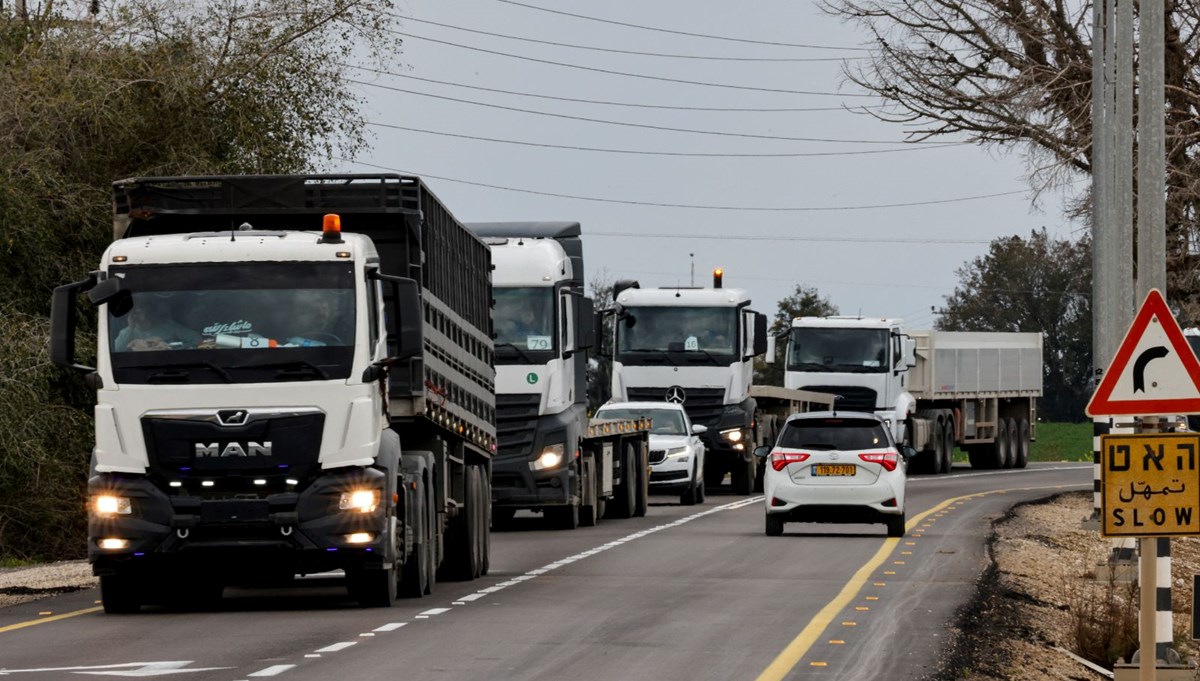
x: 1045, y: 572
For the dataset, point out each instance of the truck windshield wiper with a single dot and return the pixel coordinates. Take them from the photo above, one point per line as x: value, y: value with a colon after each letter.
x: 173, y: 376
x: 666, y: 355
x: 516, y: 347
x: 708, y: 354
x: 295, y: 369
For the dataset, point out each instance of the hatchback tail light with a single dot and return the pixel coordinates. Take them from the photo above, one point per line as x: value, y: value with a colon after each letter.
x: 780, y: 459
x: 886, y: 459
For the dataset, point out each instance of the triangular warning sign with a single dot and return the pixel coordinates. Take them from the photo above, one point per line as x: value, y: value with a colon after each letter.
x: 1154, y: 370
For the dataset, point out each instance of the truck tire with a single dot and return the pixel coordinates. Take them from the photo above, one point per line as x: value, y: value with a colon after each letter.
x: 589, y: 489
x: 641, y: 500
x: 743, y: 477
x: 414, y: 575
x: 933, y: 457
x: 625, y: 495
x: 462, y: 536
x: 1021, y: 442
x: 760, y: 473
x: 1001, y: 455
x: 485, y: 521
x: 502, y: 517
x: 947, y: 461
x: 980, y: 456
x: 563, y: 517
x: 372, y: 588
x: 120, y: 594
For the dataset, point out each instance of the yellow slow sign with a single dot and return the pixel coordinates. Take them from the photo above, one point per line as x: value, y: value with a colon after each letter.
x: 1149, y: 485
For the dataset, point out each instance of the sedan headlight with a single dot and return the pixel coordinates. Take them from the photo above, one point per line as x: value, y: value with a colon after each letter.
x: 361, y: 500
x: 107, y: 505
x: 551, y: 457
x: 678, y: 451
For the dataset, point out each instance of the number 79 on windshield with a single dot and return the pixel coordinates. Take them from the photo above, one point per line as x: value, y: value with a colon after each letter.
x: 1149, y: 485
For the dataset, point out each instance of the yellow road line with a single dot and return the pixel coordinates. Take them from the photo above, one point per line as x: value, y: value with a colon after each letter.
x: 787, y: 660
x: 65, y: 615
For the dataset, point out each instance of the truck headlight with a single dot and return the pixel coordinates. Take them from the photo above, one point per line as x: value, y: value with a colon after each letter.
x: 551, y: 457
x: 678, y: 451
x: 110, y: 505
x: 733, y: 434
x: 361, y: 500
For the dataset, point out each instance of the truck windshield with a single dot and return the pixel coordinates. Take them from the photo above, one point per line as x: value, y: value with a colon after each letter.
x: 234, y: 323
x: 523, y: 320
x: 710, y: 334
x: 851, y: 351
x: 665, y: 421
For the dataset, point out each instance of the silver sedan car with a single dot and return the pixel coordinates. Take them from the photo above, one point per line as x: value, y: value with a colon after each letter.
x: 835, y: 467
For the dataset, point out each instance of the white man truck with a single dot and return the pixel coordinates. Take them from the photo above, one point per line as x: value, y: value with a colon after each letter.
x: 938, y: 389
x: 695, y: 347
x: 313, y: 400
x: 551, y: 458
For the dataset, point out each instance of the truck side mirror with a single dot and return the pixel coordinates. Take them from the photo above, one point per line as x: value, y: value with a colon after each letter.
x: 604, y: 346
x: 112, y: 292
x: 585, y: 323
x: 760, y: 333
x: 910, y: 352
x: 63, y: 321
x: 622, y: 285
x: 405, y: 328
x: 770, y: 356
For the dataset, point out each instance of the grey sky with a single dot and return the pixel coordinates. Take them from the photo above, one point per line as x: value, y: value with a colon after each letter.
x: 896, y: 261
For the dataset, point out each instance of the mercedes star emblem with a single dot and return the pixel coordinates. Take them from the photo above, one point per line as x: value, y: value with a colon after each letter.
x: 676, y: 394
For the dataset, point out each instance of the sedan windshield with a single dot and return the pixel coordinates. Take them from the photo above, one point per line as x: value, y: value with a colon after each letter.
x: 833, y: 433
x: 665, y: 421
x: 244, y: 322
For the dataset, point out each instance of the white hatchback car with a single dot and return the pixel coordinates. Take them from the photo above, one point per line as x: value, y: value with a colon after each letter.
x: 835, y: 467
x: 676, y: 451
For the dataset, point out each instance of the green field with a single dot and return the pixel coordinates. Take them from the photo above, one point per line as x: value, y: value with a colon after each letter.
x: 1056, y: 442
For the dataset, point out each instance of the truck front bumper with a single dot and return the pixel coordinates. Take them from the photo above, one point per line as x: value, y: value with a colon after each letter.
x: 515, y: 485
x: 284, y: 533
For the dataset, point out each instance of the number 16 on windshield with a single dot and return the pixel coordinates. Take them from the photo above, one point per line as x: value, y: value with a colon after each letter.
x: 1149, y: 485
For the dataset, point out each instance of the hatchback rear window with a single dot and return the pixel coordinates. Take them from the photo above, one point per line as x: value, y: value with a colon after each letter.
x: 840, y: 434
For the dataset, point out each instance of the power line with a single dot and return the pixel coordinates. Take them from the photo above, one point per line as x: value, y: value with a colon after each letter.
x: 611, y: 103
x: 631, y: 202
x: 809, y: 239
x: 692, y: 35
x: 625, y: 74
x: 616, y: 51
x: 641, y: 152
x: 643, y: 126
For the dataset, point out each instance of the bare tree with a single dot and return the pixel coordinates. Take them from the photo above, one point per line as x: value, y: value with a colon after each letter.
x: 1016, y: 74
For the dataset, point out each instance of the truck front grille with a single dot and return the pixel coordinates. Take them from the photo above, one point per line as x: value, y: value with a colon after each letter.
x: 516, y: 423
x: 704, y: 406
x: 853, y: 398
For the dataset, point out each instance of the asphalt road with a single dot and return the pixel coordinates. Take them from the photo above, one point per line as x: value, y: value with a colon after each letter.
x: 686, y: 593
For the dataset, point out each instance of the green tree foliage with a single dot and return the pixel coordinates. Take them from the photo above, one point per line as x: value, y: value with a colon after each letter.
x: 1040, y: 285
x: 803, y: 302
x: 150, y: 87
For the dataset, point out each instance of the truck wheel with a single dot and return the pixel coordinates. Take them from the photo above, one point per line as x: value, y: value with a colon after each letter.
x: 462, y: 536
x: 947, y: 461
x: 589, y: 489
x: 1003, y: 444
x: 774, y: 525
x: 372, y: 588
x: 895, y: 525
x: 714, y: 475
x: 502, y: 518
x: 743, y: 477
x: 478, y: 532
x: 485, y: 521
x: 1021, y: 442
x: 760, y: 472
x: 563, y: 517
x: 625, y: 496
x: 937, y: 440
x: 120, y: 594
x: 414, y: 576
x: 641, y: 499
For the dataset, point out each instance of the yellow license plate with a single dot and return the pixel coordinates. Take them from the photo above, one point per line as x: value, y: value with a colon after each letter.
x: 822, y: 469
